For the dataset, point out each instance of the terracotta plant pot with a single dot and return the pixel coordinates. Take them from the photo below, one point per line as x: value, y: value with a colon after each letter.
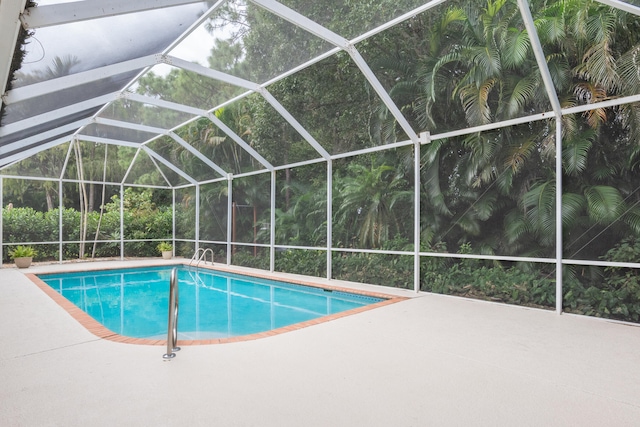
x: 23, y: 262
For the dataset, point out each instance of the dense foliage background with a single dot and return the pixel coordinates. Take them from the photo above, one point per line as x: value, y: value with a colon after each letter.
x: 459, y: 65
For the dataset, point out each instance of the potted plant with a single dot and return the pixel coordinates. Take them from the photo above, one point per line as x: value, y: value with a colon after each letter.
x: 166, y: 249
x: 22, y: 256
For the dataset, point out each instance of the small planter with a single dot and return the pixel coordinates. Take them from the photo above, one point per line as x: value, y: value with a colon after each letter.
x: 23, y: 262
x: 22, y: 256
x: 166, y: 249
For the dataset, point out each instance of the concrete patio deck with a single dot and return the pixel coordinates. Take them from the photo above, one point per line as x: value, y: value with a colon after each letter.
x: 430, y: 360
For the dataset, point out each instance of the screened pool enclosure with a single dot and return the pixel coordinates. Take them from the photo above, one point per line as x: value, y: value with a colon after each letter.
x: 481, y: 148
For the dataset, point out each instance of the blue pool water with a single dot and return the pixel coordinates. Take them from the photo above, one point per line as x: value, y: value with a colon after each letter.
x: 134, y: 302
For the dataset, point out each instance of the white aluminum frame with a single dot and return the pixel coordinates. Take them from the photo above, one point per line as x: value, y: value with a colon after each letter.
x: 79, y: 11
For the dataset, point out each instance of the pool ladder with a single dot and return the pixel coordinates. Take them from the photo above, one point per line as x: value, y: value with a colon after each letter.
x: 172, y: 327
x: 201, y: 255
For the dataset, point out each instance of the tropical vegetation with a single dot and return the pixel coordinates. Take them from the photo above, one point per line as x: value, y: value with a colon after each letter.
x: 492, y: 192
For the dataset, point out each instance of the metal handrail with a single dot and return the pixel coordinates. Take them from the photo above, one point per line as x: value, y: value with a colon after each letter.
x: 172, y: 327
x: 195, y: 256
x: 202, y: 257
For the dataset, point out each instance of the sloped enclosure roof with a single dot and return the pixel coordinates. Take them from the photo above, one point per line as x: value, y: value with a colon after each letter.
x: 90, y: 73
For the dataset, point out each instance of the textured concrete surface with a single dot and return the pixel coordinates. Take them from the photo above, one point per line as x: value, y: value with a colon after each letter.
x: 430, y: 360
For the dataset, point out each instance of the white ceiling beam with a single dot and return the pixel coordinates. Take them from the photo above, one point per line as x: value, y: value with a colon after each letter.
x: 241, y: 142
x: 57, y: 114
x: 389, y: 24
x: 302, y: 22
x: 337, y: 40
x: 108, y: 141
x: 73, y: 80
x: 128, y: 125
x: 210, y: 73
x: 541, y: 59
x: 7, y: 148
x: 64, y: 13
x: 163, y: 104
x: 32, y: 151
x: 295, y: 124
x: 190, y: 148
x: 622, y: 6
x: 382, y: 93
x: 168, y: 164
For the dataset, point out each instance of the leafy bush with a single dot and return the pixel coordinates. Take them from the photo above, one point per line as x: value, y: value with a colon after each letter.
x: 143, y: 220
x: 310, y: 263
x: 609, y: 292
x: 245, y: 258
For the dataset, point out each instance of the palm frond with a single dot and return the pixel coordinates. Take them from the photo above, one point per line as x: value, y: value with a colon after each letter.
x: 515, y: 226
x: 632, y: 219
x: 516, y: 49
x: 575, y: 153
x: 523, y: 93
x: 572, y: 207
x: 539, y: 207
x: 604, y: 203
x: 517, y: 155
x: 628, y: 67
x: 475, y: 102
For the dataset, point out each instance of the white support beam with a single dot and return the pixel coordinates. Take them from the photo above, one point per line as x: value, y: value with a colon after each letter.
x: 293, y: 122
x: 491, y: 126
x: 559, y: 240
x: 373, y: 149
x: 155, y: 163
x: 540, y: 56
x: 333, y: 38
x: 30, y: 152
x: 389, y: 24
x: 57, y: 114
x: 190, y: 148
x: 129, y: 125
x: 248, y: 148
x: 108, y: 141
x: 130, y: 167
x: 63, y: 13
x: 622, y: 6
x: 73, y: 80
x: 382, y: 93
x: 163, y: 104
x: 168, y: 164
x: 329, y: 219
x: 302, y: 22
x: 604, y: 104
x: 210, y: 73
x: 7, y: 148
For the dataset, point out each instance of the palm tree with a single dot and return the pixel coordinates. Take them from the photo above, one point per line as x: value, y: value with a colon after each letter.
x: 368, y: 199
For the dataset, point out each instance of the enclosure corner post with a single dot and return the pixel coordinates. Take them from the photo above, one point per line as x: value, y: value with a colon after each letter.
x: 272, y: 226
x: 559, y: 297
x: 424, y: 138
x: 229, y: 215
x: 329, y: 217
x: 121, y: 221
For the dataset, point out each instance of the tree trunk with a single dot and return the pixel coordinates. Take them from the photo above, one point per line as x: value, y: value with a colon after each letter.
x: 90, y: 199
x: 50, y: 206
x: 104, y: 194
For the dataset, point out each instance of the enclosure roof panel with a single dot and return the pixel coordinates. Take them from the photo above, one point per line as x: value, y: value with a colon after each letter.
x: 133, y: 72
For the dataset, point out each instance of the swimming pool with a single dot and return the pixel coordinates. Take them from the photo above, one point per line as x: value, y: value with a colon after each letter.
x: 133, y: 302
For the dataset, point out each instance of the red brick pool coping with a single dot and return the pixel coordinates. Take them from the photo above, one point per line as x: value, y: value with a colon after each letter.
x: 100, y: 331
